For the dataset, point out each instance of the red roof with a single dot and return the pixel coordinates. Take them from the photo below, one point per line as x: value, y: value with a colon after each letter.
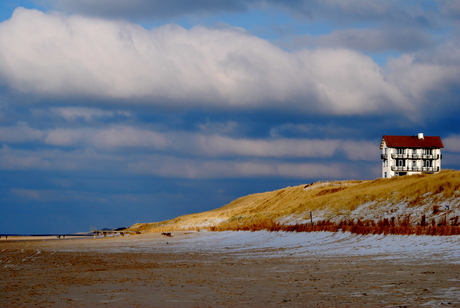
x: 412, y: 142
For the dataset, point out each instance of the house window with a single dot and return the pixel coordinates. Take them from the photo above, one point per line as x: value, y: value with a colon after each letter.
x: 401, y: 151
x: 385, y: 175
x: 428, y: 151
x: 427, y: 163
x: 414, y: 163
x: 400, y: 163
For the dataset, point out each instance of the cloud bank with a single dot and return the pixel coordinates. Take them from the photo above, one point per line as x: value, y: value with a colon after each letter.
x: 219, y: 68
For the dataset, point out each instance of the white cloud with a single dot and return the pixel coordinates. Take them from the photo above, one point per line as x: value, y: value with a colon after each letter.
x: 223, y: 146
x: 199, y: 157
x: 131, y: 139
x: 62, y: 56
x: 361, y: 150
x: 19, y: 133
x: 55, y: 160
x: 451, y: 8
x: 427, y: 85
x: 416, y: 78
x: 88, y: 114
x: 121, y: 136
x: 106, y: 138
x: 219, y: 127
x: 128, y: 137
x: 31, y: 194
x: 370, y: 40
x: 48, y: 195
x: 197, y: 169
x: 452, y: 143
x: 67, y: 137
x: 11, y: 159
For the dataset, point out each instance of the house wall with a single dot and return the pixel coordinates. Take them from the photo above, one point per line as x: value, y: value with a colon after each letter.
x: 408, y: 161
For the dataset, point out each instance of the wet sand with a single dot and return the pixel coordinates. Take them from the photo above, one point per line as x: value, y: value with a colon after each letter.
x: 151, y: 271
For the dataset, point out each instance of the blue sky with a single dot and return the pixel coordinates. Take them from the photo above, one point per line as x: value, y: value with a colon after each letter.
x: 116, y: 112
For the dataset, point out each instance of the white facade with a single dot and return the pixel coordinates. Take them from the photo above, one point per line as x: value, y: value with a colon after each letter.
x: 409, y: 158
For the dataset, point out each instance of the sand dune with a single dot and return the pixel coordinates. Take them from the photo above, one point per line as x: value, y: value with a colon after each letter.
x: 434, y: 196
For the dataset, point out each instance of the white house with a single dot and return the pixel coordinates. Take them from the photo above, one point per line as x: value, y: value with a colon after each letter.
x: 403, y: 155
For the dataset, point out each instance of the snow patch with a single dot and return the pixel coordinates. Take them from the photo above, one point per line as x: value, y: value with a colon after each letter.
x: 376, y: 210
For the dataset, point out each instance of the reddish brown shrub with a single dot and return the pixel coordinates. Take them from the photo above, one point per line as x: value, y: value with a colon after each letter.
x: 382, y: 226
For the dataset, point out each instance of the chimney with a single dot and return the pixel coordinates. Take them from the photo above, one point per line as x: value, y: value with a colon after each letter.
x: 420, y: 136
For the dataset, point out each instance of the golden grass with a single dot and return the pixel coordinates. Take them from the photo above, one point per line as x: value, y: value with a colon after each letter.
x: 339, y: 197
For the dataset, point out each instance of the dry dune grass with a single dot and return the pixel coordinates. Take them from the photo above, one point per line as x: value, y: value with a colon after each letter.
x: 338, y: 197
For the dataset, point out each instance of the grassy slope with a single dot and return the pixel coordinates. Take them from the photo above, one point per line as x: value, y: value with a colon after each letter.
x: 400, y: 196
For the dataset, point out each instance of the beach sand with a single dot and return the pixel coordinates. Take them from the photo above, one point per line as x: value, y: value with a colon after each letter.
x: 15, y: 238
x: 186, y: 270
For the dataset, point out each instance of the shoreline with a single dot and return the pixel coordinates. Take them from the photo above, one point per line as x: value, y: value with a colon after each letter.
x: 15, y: 238
x: 56, y: 237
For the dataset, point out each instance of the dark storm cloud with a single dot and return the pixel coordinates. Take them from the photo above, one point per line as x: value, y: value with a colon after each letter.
x: 144, y: 9
x: 408, y: 13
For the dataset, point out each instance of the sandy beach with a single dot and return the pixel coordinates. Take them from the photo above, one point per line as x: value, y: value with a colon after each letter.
x: 232, y: 269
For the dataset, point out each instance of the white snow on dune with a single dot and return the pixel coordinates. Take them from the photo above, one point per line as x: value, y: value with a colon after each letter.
x: 431, y: 208
x: 323, y: 244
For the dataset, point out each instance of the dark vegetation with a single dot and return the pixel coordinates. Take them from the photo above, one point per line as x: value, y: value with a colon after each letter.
x: 441, y: 226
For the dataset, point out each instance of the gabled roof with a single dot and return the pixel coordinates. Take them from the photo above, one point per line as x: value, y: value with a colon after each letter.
x: 412, y: 142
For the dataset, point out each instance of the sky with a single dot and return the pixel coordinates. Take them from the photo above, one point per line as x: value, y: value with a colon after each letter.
x: 116, y: 112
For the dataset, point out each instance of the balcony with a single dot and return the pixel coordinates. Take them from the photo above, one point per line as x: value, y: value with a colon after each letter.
x: 415, y: 168
x: 436, y: 156
x: 430, y: 169
x: 410, y: 156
